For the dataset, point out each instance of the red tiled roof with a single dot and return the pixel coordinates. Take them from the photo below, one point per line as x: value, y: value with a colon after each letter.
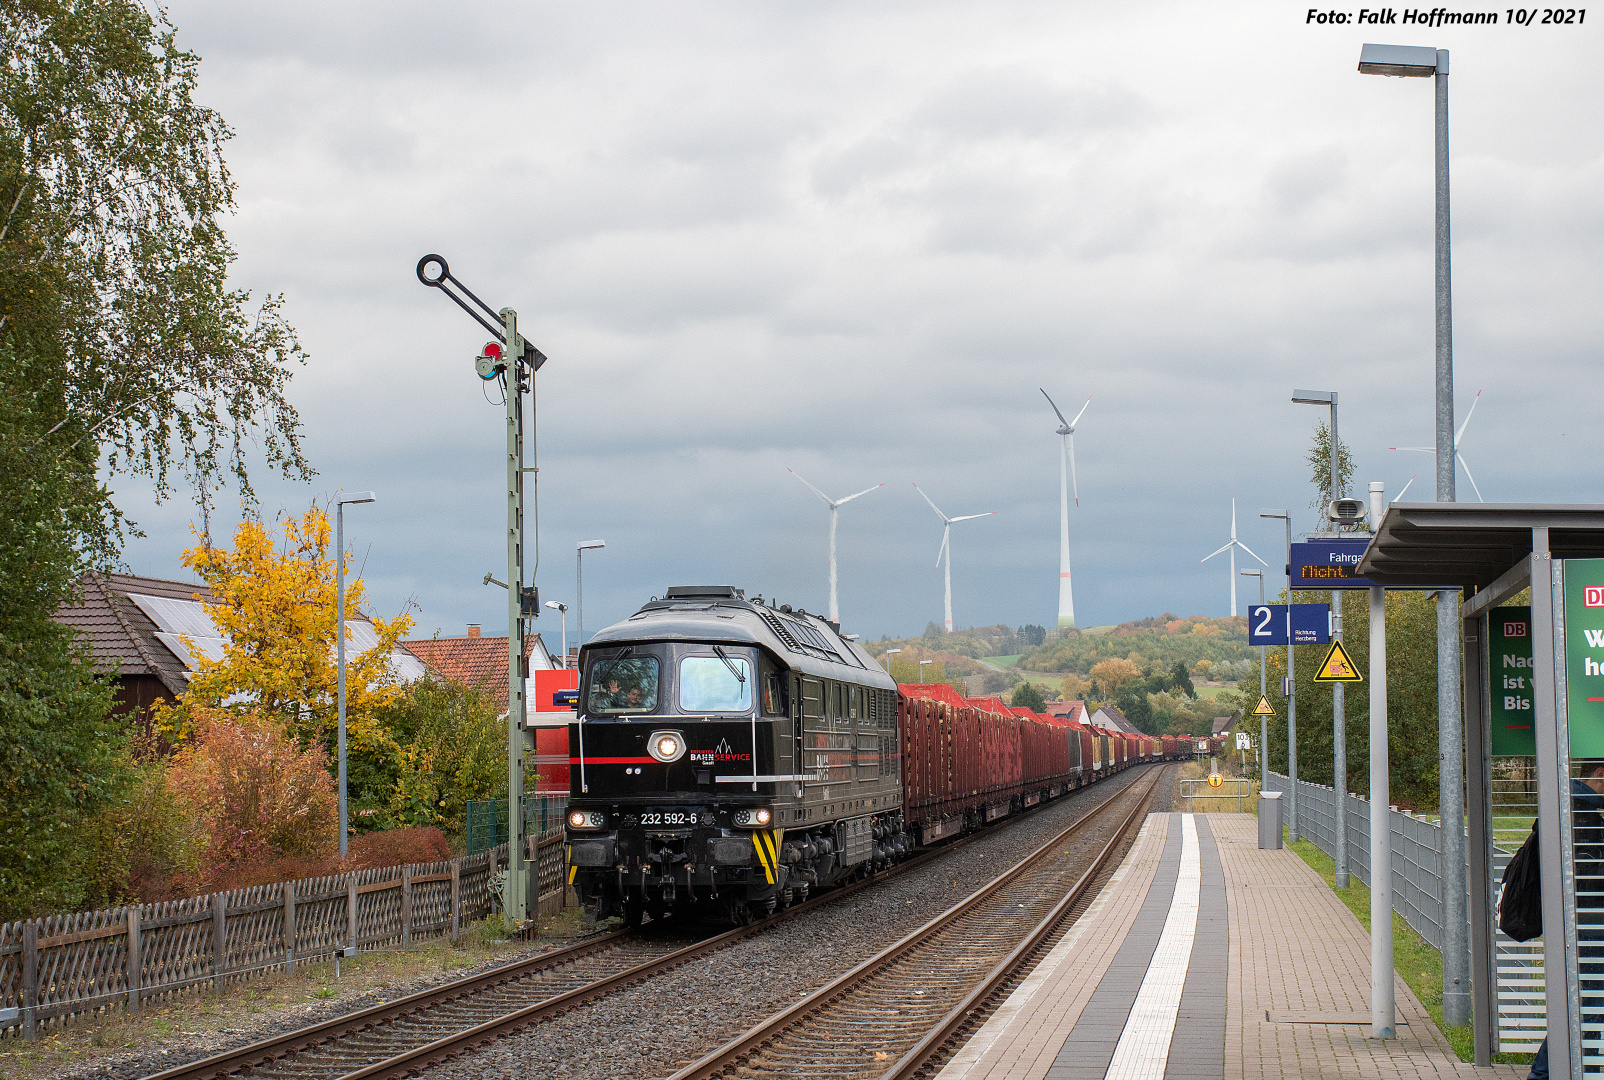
x: 477, y: 662
x: 1069, y: 710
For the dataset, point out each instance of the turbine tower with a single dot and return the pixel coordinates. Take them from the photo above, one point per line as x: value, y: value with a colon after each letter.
x: 1461, y: 457
x: 1231, y: 545
x: 1066, y: 477
x: 834, y: 505
x: 946, y: 546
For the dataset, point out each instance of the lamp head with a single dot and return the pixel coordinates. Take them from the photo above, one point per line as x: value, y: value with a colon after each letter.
x: 357, y: 497
x: 1314, y: 397
x: 1408, y: 61
x: 1273, y: 514
x: 586, y: 545
x: 556, y: 605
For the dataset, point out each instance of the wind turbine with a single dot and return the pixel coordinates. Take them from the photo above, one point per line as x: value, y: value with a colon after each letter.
x: 1231, y: 546
x: 946, y: 547
x: 1457, y: 436
x: 834, y: 505
x: 1066, y: 477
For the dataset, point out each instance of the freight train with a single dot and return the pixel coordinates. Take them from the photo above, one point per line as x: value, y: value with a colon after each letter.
x: 734, y: 756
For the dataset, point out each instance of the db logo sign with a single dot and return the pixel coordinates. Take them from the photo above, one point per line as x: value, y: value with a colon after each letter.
x: 1514, y: 629
x: 1593, y: 596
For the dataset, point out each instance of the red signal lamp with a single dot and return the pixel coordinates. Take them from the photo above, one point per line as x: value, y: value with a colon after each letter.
x: 490, y: 362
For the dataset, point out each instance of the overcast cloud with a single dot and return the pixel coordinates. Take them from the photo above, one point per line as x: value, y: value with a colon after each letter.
x: 853, y: 239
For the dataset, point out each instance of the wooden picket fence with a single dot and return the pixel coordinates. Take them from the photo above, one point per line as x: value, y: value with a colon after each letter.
x: 63, y: 966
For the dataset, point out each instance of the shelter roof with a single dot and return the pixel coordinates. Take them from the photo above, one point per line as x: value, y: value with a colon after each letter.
x: 1469, y: 545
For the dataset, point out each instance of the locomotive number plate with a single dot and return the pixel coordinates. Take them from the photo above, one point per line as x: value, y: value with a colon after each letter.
x: 668, y: 817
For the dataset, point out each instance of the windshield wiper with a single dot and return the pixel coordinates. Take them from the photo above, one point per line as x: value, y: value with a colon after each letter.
x: 719, y: 649
x: 612, y: 665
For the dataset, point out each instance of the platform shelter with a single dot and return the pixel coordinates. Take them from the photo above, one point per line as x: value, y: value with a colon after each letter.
x: 1533, y: 687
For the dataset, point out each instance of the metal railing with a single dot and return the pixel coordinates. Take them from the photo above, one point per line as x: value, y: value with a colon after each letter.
x: 1417, y: 882
x: 1189, y: 790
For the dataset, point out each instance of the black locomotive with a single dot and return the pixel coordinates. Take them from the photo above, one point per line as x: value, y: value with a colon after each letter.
x: 728, y: 755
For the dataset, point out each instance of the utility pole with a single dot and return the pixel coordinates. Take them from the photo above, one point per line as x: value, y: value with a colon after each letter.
x: 512, y: 361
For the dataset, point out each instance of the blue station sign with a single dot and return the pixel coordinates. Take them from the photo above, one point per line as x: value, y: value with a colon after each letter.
x: 1268, y: 624
x: 1329, y: 564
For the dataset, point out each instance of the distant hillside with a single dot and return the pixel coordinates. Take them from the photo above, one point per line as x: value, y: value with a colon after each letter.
x: 1156, y: 642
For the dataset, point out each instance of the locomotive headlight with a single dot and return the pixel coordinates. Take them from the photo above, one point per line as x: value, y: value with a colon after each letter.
x: 752, y: 817
x: 666, y: 745
x: 587, y: 819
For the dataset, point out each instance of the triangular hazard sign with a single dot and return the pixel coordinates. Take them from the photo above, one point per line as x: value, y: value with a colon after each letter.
x: 1338, y: 666
x: 1265, y: 708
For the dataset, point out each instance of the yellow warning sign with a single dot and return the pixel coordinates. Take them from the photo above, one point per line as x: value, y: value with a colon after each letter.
x: 1215, y: 779
x: 1264, y: 707
x: 1338, y: 666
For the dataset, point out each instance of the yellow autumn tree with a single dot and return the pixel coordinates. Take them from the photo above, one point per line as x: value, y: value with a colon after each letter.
x: 275, y: 604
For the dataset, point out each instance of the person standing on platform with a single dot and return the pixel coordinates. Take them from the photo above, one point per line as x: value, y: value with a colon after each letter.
x: 1587, y: 844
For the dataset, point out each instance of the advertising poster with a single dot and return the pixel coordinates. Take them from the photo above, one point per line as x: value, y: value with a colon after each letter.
x: 1584, y: 655
x: 1509, y: 668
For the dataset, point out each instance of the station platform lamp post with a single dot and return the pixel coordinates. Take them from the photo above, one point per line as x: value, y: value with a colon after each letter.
x: 510, y: 360
x: 1264, y: 721
x: 1414, y: 61
x: 579, y: 583
x: 557, y: 605
x: 339, y: 647
x: 1290, y: 689
x: 1339, y: 719
x: 888, y: 659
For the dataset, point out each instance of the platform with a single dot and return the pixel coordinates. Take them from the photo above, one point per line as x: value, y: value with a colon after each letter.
x: 1204, y: 958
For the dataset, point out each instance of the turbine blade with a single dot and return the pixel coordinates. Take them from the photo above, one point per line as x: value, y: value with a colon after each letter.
x: 1469, y: 477
x: 1249, y: 550
x: 933, y: 506
x: 1080, y: 414
x: 1072, y: 478
x: 1461, y: 432
x: 1416, y: 449
x: 969, y: 517
x: 1221, y: 551
x: 1061, y: 419
x: 942, y: 550
x: 1400, y: 494
x: 865, y: 491
x: 811, y: 488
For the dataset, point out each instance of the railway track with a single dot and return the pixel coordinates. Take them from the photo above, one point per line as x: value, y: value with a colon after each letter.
x: 405, y: 1036
x: 892, y: 1015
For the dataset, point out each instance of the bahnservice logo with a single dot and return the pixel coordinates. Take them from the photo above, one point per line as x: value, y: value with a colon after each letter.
x: 1593, y: 596
x: 1514, y: 630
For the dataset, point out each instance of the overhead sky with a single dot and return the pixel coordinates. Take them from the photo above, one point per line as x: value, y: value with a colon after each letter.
x: 853, y: 239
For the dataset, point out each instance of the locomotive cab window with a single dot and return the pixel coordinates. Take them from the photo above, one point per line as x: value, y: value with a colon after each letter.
x: 627, y: 684
x: 774, y: 697
x: 715, y: 684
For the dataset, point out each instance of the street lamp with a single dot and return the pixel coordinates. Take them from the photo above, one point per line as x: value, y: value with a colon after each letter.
x: 556, y: 605
x: 922, y: 664
x: 888, y: 659
x: 579, y: 584
x: 1415, y: 61
x: 1290, y: 689
x: 339, y: 648
x: 1264, y: 721
x: 1339, y: 698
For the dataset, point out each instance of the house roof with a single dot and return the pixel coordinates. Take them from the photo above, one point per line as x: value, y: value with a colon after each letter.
x: 1222, y: 722
x: 1111, y: 717
x: 477, y: 662
x: 1069, y: 710
x: 122, y: 637
x: 138, y: 626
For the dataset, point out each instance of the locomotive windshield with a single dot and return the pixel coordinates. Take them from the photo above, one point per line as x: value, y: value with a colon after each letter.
x: 715, y: 684
x: 627, y: 684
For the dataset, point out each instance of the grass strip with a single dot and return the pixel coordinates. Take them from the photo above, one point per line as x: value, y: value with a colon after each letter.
x: 1418, y: 963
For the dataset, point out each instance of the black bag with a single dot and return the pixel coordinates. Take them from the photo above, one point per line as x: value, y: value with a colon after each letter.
x: 1520, y: 905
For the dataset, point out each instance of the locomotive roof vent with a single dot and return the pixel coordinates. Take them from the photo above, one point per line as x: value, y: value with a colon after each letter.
x: 704, y: 592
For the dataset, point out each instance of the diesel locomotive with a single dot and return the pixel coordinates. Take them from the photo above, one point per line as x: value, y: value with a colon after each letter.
x: 728, y: 754
x: 733, y: 756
